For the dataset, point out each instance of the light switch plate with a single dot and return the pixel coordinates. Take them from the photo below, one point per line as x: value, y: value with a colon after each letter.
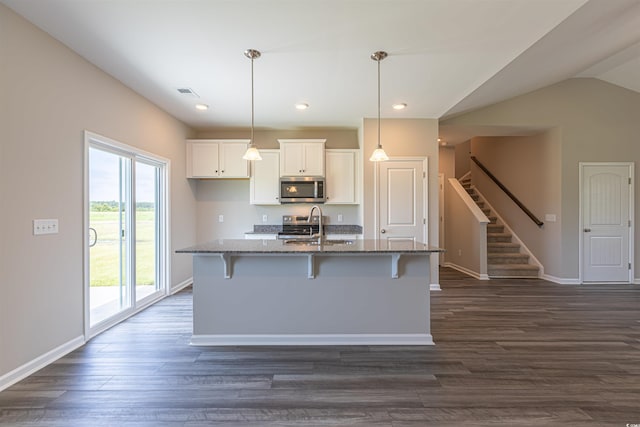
x: 45, y: 226
x: 220, y: 218
x: 265, y: 218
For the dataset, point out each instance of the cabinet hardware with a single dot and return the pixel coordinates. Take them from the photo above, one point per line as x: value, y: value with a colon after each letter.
x: 587, y: 230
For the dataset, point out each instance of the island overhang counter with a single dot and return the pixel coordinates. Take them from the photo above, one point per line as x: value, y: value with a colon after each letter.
x: 268, y: 292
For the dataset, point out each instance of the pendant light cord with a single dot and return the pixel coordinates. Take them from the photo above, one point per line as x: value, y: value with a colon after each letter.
x: 379, y: 145
x: 252, y: 106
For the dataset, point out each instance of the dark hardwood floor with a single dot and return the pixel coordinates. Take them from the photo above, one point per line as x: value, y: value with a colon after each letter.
x: 508, y: 352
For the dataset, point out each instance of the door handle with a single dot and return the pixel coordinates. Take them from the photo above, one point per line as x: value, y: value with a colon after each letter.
x: 383, y: 231
x: 587, y: 230
x: 95, y: 238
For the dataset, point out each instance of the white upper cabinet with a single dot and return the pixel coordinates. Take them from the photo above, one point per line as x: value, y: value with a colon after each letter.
x: 342, y: 176
x: 217, y: 158
x: 265, y: 179
x: 301, y: 157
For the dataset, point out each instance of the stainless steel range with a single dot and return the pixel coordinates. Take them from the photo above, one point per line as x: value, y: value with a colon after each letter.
x: 298, y: 225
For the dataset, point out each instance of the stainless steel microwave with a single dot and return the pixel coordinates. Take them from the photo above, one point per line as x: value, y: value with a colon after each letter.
x: 302, y: 189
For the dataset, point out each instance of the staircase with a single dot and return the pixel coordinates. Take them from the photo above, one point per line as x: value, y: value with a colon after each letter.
x: 504, y: 259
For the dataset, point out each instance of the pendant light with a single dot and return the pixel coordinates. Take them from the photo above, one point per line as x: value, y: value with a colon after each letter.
x: 252, y: 152
x: 379, y: 155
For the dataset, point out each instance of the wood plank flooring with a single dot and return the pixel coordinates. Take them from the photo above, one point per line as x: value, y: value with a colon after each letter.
x: 507, y: 353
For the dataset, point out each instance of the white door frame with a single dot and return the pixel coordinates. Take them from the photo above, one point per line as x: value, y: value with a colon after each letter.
x: 425, y: 194
x: 441, y: 195
x: 95, y: 140
x: 581, y: 166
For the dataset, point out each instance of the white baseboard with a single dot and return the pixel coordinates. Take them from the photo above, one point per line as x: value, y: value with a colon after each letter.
x: 435, y: 287
x: 313, y: 339
x: 180, y: 286
x: 466, y: 271
x: 40, y: 362
x: 560, y: 280
x: 636, y: 281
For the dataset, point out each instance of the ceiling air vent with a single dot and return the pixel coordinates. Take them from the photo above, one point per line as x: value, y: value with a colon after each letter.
x: 188, y: 91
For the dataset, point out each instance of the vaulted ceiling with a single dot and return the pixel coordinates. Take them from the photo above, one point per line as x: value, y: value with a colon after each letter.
x: 445, y: 56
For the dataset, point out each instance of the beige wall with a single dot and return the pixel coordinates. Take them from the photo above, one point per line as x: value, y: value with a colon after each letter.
x: 49, y: 96
x: 268, y: 138
x: 402, y: 138
x: 530, y: 168
x: 596, y: 122
x: 230, y: 198
x: 463, y: 164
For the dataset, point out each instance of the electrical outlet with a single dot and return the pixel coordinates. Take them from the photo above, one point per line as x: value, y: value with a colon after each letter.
x: 220, y: 218
x: 459, y: 252
x: 45, y: 226
x: 340, y: 218
x: 265, y: 218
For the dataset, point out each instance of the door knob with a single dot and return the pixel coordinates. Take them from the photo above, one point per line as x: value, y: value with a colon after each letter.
x: 383, y: 231
x: 587, y: 230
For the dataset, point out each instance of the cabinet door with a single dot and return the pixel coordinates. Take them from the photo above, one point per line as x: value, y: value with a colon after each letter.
x: 232, y: 165
x: 313, y: 163
x: 341, y: 177
x: 291, y: 159
x: 265, y: 179
x: 203, y: 158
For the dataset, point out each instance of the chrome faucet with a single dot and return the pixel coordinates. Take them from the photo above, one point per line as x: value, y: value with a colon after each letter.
x: 310, y: 221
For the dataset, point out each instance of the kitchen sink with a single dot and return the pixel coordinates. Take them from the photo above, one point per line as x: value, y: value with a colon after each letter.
x: 314, y: 242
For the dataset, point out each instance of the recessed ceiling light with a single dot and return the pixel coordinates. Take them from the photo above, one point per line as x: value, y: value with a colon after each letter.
x: 302, y: 106
x: 400, y: 106
x: 202, y: 107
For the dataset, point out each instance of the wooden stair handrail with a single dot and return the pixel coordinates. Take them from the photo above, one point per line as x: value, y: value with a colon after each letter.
x: 508, y: 193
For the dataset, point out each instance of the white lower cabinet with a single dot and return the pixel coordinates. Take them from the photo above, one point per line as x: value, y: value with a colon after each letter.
x: 343, y: 236
x: 342, y: 178
x: 265, y: 179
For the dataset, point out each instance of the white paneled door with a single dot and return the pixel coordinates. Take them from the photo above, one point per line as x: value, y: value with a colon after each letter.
x: 606, y: 222
x: 402, y: 209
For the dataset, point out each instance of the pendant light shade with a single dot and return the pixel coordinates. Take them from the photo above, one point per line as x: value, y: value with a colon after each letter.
x: 379, y: 155
x: 252, y: 152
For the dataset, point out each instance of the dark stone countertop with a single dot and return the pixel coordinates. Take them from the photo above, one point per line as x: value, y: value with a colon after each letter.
x: 358, y: 246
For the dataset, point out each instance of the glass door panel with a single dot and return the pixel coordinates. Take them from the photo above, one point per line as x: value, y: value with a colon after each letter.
x: 109, y: 219
x: 147, y: 182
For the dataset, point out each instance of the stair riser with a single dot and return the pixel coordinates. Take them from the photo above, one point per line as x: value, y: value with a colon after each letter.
x: 508, y: 260
x: 498, y: 239
x: 502, y: 250
x: 502, y: 261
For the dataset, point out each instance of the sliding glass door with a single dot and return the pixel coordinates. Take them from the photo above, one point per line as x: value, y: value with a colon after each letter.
x: 148, y: 216
x: 109, y: 222
x: 126, y: 232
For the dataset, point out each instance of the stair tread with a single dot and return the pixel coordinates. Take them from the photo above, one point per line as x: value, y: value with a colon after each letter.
x: 509, y: 261
x: 530, y: 267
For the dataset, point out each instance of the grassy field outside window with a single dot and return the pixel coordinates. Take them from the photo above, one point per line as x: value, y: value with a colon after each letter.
x: 105, y: 254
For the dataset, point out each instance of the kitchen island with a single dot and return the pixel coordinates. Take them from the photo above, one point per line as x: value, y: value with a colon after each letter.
x: 269, y: 292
